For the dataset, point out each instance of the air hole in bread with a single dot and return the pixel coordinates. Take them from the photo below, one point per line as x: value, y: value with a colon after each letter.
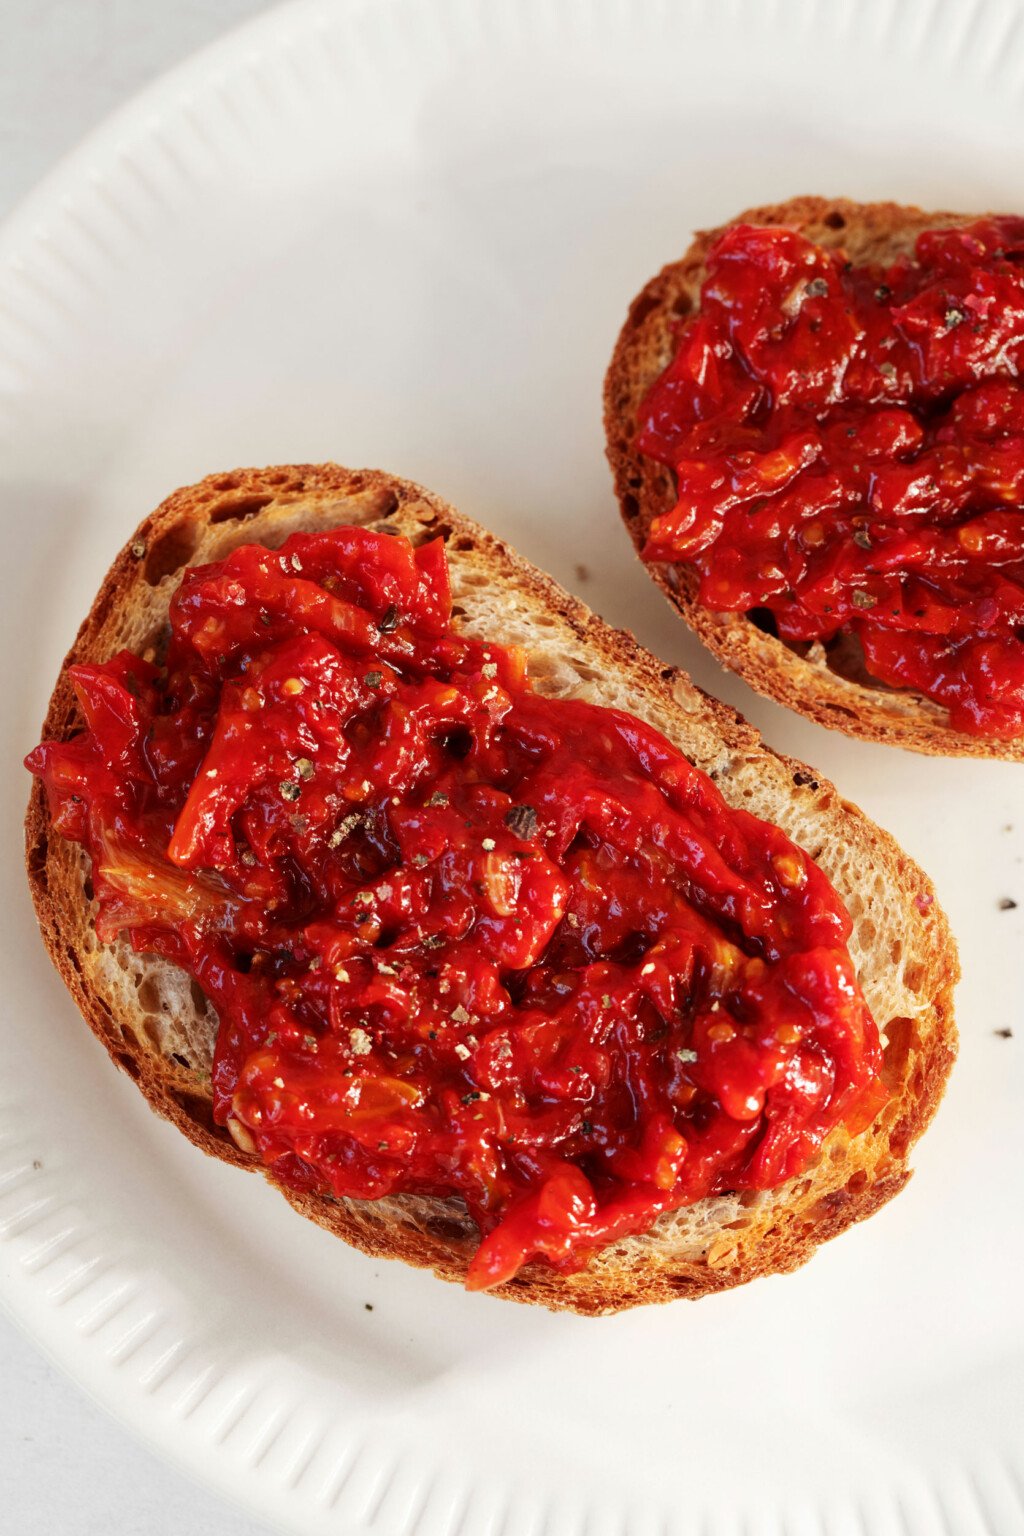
x: 445, y: 1228
x: 129, y: 1064
x: 240, y: 508
x: 225, y: 483
x: 857, y: 1181
x: 899, y: 1137
x: 682, y: 306
x: 171, y: 551
x: 38, y: 855
x: 462, y: 545
x: 844, y: 655
x: 585, y: 671
x: 197, y: 995
x: 834, y: 220
x: 182, y: 1061
x: 913, y: 976
x: 87, y: 890
x: 631, y: 507
x: 73, y: 959
x: 153, y: 1031
x: 645, y: 304
x: 764, y: 620
x: 866, y: 933
x: 387, y: 503
x: 199, y: 1110
x: 149, y: 995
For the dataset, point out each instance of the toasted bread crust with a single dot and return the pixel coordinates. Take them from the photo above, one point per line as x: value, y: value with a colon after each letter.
x: 868, y: 232
x: 904, y: 931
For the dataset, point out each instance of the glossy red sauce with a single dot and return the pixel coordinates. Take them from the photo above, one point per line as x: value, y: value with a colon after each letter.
x: 463, y: 940
x: 848, y: 444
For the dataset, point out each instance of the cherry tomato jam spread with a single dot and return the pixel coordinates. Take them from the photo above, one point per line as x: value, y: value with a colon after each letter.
x: 463, y: 940
x: 848, y: 446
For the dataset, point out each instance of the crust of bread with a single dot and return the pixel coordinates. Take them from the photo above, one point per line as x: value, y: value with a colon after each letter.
x: 158, y: 1027
x: 830, y: 687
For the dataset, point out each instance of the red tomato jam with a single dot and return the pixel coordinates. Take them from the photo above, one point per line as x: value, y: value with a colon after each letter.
x: 848, y: 444
x: 463, y: 940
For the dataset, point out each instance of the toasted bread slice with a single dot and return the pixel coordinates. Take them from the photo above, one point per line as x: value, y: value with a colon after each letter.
x: 830, y: 683
x: 157, y: 1025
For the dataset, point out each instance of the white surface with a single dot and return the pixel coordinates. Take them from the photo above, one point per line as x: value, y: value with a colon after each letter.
x: 405, y: 233
x: 66, y: 63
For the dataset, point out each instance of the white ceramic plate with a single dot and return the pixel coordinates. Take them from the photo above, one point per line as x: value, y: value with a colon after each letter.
x: 404, y: 234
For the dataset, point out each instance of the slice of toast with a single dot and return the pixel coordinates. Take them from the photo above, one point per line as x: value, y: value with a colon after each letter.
x: 156, y: 1024
x: 829, y: 684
